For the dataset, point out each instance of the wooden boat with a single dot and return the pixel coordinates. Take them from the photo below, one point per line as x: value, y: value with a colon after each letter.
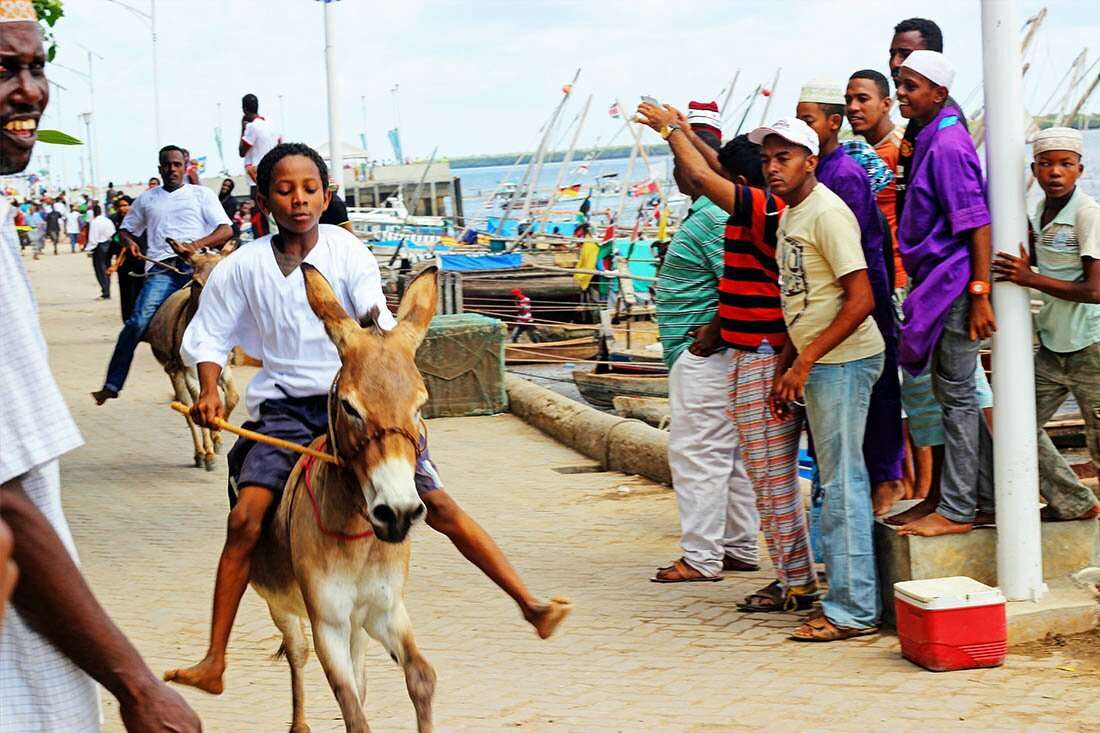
x: 601, y: 389
x: 653, y: 410
x: 551, y: 352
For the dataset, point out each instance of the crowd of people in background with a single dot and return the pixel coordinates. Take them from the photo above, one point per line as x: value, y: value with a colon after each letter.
x: 844, y: 286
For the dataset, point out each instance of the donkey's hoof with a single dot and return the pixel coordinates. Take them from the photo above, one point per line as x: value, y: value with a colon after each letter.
x: 210, y: 462
x: 299, y: 728
x: 199, y: 458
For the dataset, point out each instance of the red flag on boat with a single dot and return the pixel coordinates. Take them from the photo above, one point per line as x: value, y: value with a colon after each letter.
x: 644, y: 188
x: 614, y: 111
x: 574, y: 190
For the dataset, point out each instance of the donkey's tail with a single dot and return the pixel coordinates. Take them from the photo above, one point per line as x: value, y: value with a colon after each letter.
x: 280, y: 654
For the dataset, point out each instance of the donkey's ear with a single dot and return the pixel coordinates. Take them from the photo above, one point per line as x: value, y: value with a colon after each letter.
x: 229, y: 247
x: 419, y: 303
x: 338, y: 324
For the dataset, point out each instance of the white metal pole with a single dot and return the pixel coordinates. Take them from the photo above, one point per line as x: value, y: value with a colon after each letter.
x: 156, y: 81
x: 336, y: 156
x: 771, y: 94
x: 92, y: 148
x: 1019, y: 541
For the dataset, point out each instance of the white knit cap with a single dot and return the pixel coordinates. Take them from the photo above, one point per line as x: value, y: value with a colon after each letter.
x: 790, y: 129
x: 1058, y: 138
x: 932, y: 65
x: 17, y: 11
x: 822, y: 92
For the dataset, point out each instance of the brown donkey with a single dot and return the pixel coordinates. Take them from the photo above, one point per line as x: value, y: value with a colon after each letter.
x: 165, y: 334
x: 337, y: 550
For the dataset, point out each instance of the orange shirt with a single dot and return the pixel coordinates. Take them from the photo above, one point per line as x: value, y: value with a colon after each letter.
x: 889, y: 148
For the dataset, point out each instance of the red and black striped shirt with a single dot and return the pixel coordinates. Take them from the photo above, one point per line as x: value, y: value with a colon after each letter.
x: 748, y: 294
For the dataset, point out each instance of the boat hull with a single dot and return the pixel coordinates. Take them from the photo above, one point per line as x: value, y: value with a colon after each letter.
x: 601, y: 389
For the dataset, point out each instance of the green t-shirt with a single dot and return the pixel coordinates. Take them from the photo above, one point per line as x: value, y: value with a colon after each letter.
x: 1065, y: 326
x: 687, y: 285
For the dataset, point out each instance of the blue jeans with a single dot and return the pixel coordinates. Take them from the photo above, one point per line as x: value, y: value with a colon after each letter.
x: 159, y: 284
x: 72, y: 240
x: 837, y: 400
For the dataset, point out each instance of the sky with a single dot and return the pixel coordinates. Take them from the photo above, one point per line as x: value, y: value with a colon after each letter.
x: 476, y: 76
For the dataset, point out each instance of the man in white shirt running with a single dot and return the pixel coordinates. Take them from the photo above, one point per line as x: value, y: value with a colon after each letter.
x: 189, y: 214
x: 100, y: 233
x: 258, y: 137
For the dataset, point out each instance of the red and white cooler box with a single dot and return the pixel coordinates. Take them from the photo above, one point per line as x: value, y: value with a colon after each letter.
x: 951, y: 623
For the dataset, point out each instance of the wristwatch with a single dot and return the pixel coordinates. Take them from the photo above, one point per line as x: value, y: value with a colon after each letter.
x: 979, y: 287
x: 668, y: 130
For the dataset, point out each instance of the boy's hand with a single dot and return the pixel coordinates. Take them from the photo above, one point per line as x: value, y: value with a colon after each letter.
x: 207, y: 409
x: 788, y: 387
x: 1012, y: 269
x: 982, y: 323
x: 706, y: 341
x: 655, y: 117
x: 157, y: 710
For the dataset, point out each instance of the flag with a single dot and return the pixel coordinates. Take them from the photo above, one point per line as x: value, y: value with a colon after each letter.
x: 644, y: 188
x: 573, y: 190
x: 582, y: 168
x: 614, y: 111
x: 200, y: 164
x: 395, y: 142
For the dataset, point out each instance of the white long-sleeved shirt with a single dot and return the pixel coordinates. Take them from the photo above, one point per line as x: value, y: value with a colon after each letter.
x: 100, y: 232
x: 248, y: 302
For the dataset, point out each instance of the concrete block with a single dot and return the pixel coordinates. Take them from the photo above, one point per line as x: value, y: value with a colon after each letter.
x: 1067, y: 547
x: 1066, y: 609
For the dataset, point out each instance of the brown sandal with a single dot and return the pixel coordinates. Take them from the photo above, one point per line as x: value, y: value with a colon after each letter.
x: 821, y: 629
x: 681, y: 572
x: 773, y: 598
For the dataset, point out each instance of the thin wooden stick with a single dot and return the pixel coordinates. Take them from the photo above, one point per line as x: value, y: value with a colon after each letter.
x: 261, y: 438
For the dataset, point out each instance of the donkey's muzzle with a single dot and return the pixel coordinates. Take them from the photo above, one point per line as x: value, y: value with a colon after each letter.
x: 392, y: 524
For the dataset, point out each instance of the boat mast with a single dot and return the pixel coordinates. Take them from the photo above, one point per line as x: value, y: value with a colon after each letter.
x: 565, y: 163
x: 729, y: 92
x: 771, y: 95
x: 541, y: 156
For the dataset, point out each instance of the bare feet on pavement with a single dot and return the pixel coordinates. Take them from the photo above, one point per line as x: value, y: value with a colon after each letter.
x: 206, y: 676
x: 935, y: 525
x: 103, y: 395
x: 918, y: 511
x: 546, y: 617
x: 885, y: 494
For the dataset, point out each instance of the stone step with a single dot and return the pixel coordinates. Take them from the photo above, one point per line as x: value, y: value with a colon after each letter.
x: 1067, y: 548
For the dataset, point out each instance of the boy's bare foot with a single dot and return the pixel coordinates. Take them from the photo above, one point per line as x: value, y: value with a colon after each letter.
x: 919, y: 510
x: 546, y: 617
x: 935, y: 525
x: 103, y: 395
x: 206, y: 676
x: 885, y: 494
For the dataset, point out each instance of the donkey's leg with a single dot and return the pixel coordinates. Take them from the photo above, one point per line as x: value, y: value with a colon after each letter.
x: 359, y: 640
x: 330, y: 616
x: 207, y: 441
x: 179, y: 384
x: 394, y: 631
x: 229, y: 386
x: 297, y: 652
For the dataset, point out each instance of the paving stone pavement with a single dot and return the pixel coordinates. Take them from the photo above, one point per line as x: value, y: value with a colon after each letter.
x: 634, y: 656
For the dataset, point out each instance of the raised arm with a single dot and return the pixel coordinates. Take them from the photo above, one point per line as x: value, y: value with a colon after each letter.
x: 53, y: 597
x: 690, y: 163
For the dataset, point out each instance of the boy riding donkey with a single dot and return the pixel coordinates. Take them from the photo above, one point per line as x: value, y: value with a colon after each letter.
x: 257, y: 300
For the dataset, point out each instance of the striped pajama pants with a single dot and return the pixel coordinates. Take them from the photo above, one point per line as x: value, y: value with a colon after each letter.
x: 769, y: 448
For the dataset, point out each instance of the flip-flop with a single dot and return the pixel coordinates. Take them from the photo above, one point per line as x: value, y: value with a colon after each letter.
x: 821, y: 629
x: 772, y: 598
x: 681, y: 572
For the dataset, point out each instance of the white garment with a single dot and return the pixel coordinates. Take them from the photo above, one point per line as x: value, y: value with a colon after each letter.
x: 717, y: 503
x: 60, y: 207
x: 100, y: 232
x: 72, y: 222
x: 248, y: 302
x: 40, y: 689
x: 262, y: 136
x: 186, y: 214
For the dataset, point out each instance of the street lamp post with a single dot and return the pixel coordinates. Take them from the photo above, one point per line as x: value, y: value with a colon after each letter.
x: 150, y: 19
x: 86, y: 118
x: 336, y: 155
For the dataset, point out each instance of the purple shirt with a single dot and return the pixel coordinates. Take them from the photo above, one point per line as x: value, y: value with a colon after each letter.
x: 944, y: 201
x: 845, y: 177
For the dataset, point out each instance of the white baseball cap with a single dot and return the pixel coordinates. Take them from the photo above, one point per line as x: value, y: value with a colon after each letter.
x: 790, y: 129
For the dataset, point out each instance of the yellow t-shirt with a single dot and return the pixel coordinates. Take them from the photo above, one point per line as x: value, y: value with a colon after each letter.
x: 819, y: 243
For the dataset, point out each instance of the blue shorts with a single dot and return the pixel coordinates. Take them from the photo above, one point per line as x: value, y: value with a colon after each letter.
x: 299, y: 420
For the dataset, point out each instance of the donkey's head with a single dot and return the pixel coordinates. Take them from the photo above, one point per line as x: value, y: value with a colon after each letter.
x: 204, y: 260
x: 374, y: 410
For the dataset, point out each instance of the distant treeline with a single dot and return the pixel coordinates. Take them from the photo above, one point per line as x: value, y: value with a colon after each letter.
x: 1081, y: 121
x: 483, y: 161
